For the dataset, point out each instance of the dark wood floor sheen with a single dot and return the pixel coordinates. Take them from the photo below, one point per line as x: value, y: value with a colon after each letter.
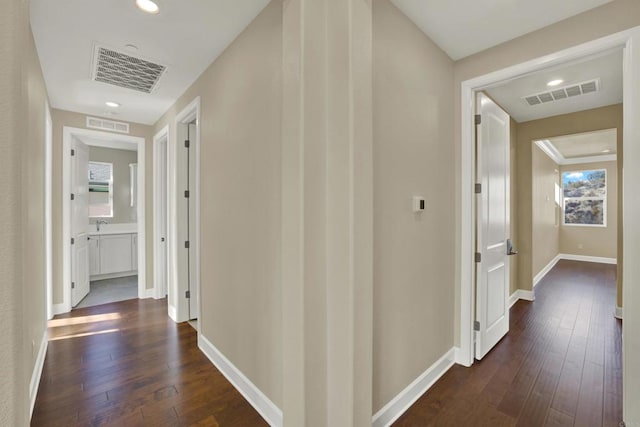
x: 128, y: 364
x: 559, y: 365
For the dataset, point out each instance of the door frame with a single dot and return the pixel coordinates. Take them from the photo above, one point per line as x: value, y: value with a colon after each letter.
x: 179, y: 307
x: 162, y: 135
x: 48, y: 207
x: 99, y: 137
x: 467, y: 226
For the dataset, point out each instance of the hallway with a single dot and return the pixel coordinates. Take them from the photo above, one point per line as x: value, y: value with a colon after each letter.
x: 127, y: 364
x: 560, y: 364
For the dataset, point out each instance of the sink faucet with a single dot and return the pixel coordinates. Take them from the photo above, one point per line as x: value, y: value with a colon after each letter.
x: 100, y: 221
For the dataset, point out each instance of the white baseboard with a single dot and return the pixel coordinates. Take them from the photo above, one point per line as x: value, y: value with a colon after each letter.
x: 113, y: 275
x: 459, y: 359
x: 407, y: 397
x: 58, y: 309
x: 37, y: 372
x: 265, y: 407
x: 149, y: 293
x: 618, y: 313
x: 601, y: 260
x: 521, y: 294
x: 173, y: 314
x: 547, y: 268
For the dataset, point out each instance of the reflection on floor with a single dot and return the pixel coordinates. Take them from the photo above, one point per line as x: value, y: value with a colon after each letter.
x: 110, y: 290
x: 560, y: 363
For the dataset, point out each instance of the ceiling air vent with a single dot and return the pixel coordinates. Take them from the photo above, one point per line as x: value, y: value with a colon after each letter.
x: 109, y: 125
x: 123, y: 70
x: 563, y: 93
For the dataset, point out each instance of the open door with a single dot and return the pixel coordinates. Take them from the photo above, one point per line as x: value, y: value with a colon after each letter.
x: 492, y: 241
x: 79, y: 222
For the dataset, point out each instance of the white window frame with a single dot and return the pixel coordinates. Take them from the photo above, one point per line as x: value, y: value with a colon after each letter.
x: 604, y: 199
x: 110, y: 191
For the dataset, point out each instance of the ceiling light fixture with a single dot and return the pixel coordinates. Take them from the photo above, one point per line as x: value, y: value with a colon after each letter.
x: 112, y: 104
x: 148, y: 6
x: 555, y: 82
x: 606, y: 151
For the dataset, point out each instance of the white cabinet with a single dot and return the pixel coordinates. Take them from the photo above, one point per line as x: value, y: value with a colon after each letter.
x: 94, y: 256
x: 112, y: 254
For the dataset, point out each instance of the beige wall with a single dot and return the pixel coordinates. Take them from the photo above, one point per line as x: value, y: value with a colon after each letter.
x: 240, y: 174
x: 120, y: 159
x: 413, y: 154
x: 594, y: 241
x: 610, y: 18
x: 61, y: 119
x: 584, y: 121
x: 22, y: 250
x: 545, y: 226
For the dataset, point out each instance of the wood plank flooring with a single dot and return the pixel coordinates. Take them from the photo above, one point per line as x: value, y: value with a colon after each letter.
x: 560, y: 364
x: 128, y: 364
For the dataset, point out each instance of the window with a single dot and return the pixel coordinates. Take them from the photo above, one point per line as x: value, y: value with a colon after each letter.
x: 585, y: 198
x: 100, y: 190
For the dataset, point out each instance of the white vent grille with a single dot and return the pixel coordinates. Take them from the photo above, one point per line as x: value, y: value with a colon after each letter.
x: 109, y: 125
x: 563, y: 93
x: 120, y: 69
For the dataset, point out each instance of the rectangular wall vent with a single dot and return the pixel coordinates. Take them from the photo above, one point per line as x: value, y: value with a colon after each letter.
x: 563, y: 92
x: 123, y: 70
x: 109, y: 125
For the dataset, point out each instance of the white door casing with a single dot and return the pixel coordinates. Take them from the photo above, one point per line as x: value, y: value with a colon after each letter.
x: 80, y: 223
x: 492, y: 271
x: 160, y: 185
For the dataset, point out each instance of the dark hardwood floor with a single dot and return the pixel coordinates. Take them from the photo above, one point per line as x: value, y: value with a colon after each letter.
x: 559, y: 365
x: 128, y: 364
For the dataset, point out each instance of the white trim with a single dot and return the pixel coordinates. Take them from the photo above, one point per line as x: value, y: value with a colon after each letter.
x: 521, y: 294
x: 175, y: 288
x: 94, y: 138
x: 467, y: 169
x: 619, y: 313
x: 407, y: 397
x: 59, y: 309
x: 162, y: 135
x: 48, y: 208
x: 171, y: 310
x: 590, y: 159
x: 37, y: 372
x: 547, y: 268
x: 265, y: 407
x: 585, y: 258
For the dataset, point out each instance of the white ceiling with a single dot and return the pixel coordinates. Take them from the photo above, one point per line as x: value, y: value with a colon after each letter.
x: 585, y: 147
x: 464, y: 27
x: 186, y: 36
x: 605, y: 67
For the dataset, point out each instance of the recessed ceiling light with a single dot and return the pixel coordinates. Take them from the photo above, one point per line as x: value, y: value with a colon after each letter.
x: 148, y: 6
x: 555, y: 82
x: 606, y: 151
x: 112, y: 104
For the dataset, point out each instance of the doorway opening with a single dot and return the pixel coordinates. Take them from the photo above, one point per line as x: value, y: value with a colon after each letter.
x: 104, y: 257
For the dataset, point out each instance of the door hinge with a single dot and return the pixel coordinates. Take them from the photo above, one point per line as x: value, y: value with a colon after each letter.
x: 73, y: 152
x: 478, y: 188
x: 73, y: 285
x: 187, y: 143
x: 73, y: 241
x: 186, y: 194
x: 73, y: 196
x: 478, y: 257
x: 187, y: 294
x: 476, y: 325
x: 186, y: 244
x: 478, y: 119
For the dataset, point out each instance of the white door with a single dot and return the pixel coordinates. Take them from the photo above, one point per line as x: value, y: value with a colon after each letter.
x: 79, y: 222
x: 193, y: 273
x: 492, y: 269
x: 162, y: 217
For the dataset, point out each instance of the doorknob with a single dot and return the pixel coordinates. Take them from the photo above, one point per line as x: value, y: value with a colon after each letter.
x: 510, y: 250
x: 162, y: 239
